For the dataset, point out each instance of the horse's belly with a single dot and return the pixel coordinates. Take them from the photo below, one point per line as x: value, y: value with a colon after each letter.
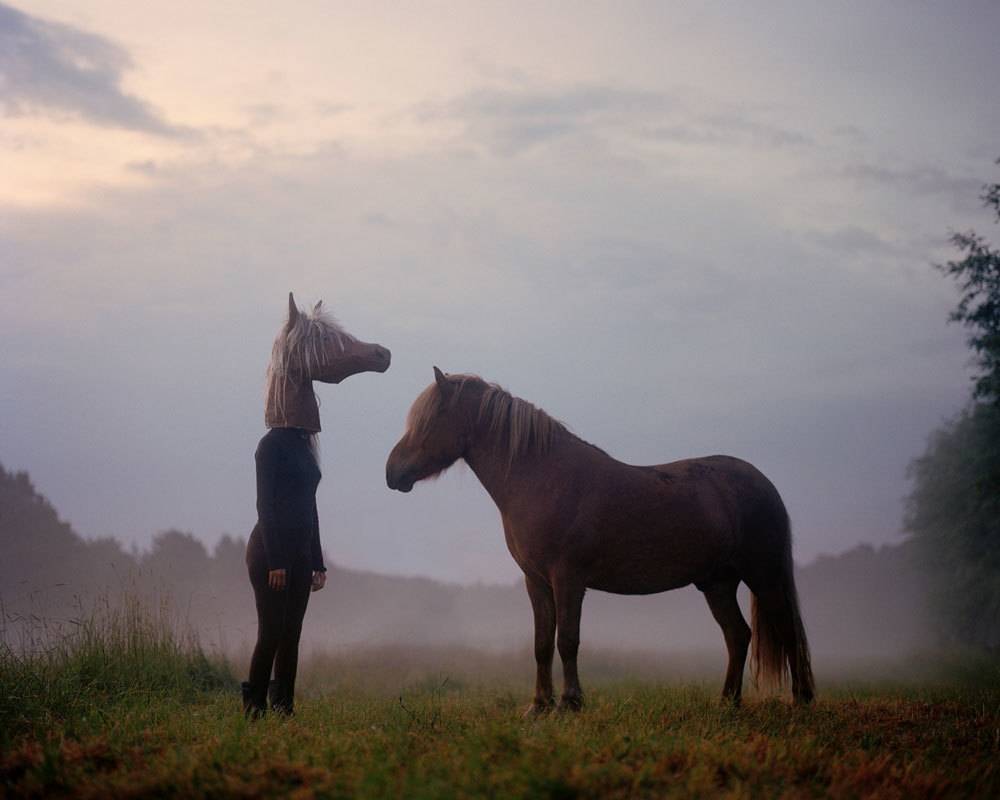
x: 650, y: 561
x: 637, y: 584
x: 647, y: 575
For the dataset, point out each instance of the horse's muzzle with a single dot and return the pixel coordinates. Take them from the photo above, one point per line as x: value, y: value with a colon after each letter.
x: 397, y: 481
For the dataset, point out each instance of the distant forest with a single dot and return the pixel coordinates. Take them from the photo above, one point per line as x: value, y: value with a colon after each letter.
x: 864, y: 604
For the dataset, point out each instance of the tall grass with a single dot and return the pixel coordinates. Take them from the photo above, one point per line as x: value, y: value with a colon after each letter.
x: 123, y: 652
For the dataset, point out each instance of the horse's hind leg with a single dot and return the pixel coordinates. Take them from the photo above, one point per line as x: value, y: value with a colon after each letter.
x: 544, y: 607
x: 721, y: 597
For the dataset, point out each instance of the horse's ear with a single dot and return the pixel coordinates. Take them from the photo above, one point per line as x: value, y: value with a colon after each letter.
x: 293, y: 313
x: 316, y: 308
x: 442, y: 382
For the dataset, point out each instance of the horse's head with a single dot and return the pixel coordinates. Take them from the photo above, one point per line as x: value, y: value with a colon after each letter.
x: 438, y: 429
x: 311, y: 346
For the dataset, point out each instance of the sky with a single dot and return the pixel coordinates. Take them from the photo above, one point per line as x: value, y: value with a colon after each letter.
x: 680, y: 228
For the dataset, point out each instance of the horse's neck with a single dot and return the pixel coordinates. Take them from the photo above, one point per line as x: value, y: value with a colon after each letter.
x: 490, y: 464
x: 502, y: 478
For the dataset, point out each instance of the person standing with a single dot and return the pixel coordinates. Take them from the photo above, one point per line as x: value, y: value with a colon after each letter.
x: 284, y: 556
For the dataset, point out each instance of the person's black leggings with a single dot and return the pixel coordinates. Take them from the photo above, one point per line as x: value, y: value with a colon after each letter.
x: 279, y: 626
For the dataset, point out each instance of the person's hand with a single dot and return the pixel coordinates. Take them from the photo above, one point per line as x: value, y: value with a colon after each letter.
x: 276, y: 578
x: 319, y: 580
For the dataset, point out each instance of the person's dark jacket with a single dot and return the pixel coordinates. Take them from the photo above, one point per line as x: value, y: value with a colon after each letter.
x: 287, y: 477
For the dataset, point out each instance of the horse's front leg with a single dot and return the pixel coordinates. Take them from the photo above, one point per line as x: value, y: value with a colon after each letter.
x: 544, y: 607
x: 569, y: 593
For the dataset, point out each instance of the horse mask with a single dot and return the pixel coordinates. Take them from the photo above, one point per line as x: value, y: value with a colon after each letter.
x: 311, y: 346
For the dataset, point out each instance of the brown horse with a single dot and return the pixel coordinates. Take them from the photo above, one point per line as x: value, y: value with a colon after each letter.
x: 575, y: 518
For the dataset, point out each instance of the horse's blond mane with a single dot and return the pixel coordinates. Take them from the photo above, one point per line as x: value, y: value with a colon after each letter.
x: 299, y: 349
x: 519, y: 425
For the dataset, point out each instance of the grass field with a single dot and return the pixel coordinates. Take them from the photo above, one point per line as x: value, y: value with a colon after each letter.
x: 127, y: 708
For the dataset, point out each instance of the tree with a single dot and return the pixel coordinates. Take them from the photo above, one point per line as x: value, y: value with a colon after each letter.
x: 978, y: 276
x: 953, y: 511
x: 953, y: 514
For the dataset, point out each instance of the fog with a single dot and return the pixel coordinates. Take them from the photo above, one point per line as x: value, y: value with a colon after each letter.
x: 864, y: 611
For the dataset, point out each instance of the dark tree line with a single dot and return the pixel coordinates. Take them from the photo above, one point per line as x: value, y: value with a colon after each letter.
x: 954, y: 509
x: 48, y: 570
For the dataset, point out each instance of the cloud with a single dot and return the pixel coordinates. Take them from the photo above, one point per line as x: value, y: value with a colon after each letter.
x: 56, y: 69
x: 377, y: 219
x: 144, y: 167
x: 328, y: 109
x: 731, y: 129
x: 851, y: 134
x: 920, y: 180
x: 853, y: 240
x: 263, y: 113
x: 574, y: 103
x: 510, y: 121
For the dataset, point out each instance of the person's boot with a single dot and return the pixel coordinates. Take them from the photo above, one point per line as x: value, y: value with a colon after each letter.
x: 254, y: 701
x: 281, y: 699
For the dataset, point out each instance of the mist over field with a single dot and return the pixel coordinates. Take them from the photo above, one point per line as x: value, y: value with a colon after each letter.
x: 864, y: 610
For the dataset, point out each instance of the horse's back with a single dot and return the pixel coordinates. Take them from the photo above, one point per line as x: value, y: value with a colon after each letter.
x: 743, y: 487
x: 686, y: 522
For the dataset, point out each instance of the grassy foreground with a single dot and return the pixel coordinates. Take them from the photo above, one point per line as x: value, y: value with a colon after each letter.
x: 127, y: 709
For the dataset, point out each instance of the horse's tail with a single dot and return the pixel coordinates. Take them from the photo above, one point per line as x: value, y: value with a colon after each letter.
x: 779, y: 642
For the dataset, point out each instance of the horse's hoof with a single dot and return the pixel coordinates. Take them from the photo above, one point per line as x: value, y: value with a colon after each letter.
x: 537, y: 709
x: 573, y: 704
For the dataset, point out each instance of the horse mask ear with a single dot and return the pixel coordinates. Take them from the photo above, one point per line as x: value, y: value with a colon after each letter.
x: 293, y: 313
x: 443, y: 383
